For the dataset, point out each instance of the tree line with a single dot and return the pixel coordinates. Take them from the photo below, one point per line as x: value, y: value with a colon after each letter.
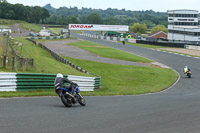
x: 29, y: 14
x: 139, y: 21
x: 65, y: 15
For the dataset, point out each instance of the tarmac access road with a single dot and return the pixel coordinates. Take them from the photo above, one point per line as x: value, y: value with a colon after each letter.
x: 61, y: 48
x: 175, y: 110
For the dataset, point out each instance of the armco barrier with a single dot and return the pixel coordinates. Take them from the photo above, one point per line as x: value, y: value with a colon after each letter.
x: 110, y: 38
x: 48, y: 37
x: 192, y: 47
x: 61, y: 59
x: 159, y: 43
x: 167, y: 44
x: 89, y: 87
x: 33, y: 81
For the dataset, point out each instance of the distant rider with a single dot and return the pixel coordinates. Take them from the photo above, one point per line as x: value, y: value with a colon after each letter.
x: 186, y: 69
x: 60, y: 83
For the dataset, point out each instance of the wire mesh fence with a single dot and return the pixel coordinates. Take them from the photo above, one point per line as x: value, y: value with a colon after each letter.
x: 16, y: 63
x: 9, y: 57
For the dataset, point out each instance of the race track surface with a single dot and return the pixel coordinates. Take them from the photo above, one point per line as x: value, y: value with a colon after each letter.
x: 175, y: 110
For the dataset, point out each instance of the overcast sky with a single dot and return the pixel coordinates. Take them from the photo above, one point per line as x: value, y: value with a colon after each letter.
x: 156, y: 5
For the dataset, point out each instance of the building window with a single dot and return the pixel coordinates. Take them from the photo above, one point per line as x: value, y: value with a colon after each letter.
x: 186, y: 23
x: 184, y: 15
x: 184, y: 32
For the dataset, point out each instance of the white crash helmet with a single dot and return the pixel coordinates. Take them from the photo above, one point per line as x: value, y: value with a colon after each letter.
x: 59, y: 75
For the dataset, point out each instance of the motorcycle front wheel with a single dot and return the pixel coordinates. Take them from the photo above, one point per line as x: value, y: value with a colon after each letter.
x: 81, y: 100
x: 189, y: 75
x: 66, y: 101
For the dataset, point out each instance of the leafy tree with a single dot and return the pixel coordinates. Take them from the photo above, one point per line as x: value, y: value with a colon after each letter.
x: 112, y: 16
x: 72, y: 20
x: 50, y: 8
x: 149, y: 23
x: 64, y: 15
x: 36, y: 14
x: 54, y: 19
x: 21, y: 12
x: 5, y: 1
x: 111, y: 20
x: 138, y: 28
x: 82, y: 19
x: 94, y: 18
x: 44, y: 14
x: 159, y: 28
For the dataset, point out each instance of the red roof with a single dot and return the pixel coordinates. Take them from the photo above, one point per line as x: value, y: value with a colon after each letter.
x: 155, y: 33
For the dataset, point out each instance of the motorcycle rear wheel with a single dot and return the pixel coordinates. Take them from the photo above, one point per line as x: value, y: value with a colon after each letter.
x: 189, y: 75
x: 66, y: 101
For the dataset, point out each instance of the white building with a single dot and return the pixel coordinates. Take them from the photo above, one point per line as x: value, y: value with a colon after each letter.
x: 183, y: 25
x: 5, y: 29
x: 45, y: 32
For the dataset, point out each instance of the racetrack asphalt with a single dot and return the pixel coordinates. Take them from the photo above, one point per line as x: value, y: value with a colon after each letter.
x: 176, y: 110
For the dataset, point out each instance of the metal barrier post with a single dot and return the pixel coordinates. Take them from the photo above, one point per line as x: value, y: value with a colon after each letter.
x: 13, y: 63
x: 4, y: 61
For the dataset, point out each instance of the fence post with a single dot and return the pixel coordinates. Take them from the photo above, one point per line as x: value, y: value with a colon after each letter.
x: 13, y: 63
x: 4, y: 61
x: 21, y: 62
x: 32, y: 62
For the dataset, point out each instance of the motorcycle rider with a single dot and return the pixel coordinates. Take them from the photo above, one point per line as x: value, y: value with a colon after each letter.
x: 60, y: 83
x: 186, y: 69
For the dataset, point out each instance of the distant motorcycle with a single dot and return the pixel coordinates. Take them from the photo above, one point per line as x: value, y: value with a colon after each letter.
x: 72, y: 97
x: 188, y: 73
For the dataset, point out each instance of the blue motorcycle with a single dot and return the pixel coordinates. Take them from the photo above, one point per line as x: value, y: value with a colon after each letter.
x: 72, y: 97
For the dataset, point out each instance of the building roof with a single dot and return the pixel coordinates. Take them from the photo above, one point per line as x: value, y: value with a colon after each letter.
x: 186, y: 11
x: 155, y: 33
x: 183, y: 10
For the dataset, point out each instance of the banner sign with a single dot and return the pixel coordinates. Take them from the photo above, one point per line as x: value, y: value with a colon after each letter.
x: 132, y: 40
x: 94, y: 27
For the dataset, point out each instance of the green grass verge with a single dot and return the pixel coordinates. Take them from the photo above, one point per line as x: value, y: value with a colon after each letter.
x: 108, y: 52
x: 55, y: 30
x: 23, y: 24
x: 31, y: 27
x: 9, y: 22
x: 77, y: 31
x: 127, y: 80
x: 43, y: 61
x: 28, y: 93
x: 143, y: 45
